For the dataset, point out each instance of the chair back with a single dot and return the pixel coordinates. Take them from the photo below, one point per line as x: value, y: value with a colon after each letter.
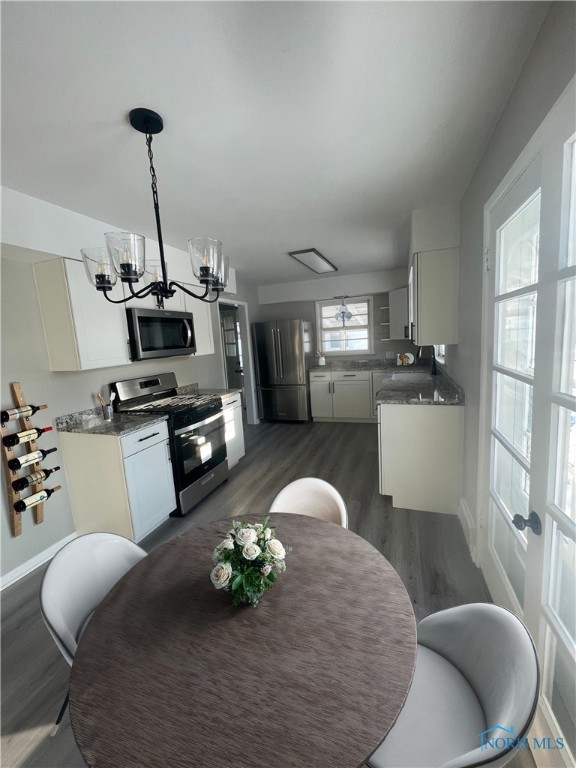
x: 78, y: 578
x: 494, y: 651
x: 314, y: 497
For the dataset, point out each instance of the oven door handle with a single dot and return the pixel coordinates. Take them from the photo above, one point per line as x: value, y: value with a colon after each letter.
x: 188, y: 339
x: 191, y: 427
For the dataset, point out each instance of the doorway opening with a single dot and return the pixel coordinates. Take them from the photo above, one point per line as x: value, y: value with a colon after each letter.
x: 232, y: 348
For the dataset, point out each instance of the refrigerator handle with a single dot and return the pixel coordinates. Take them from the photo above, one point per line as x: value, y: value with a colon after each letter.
x: 273, y: 330
x: 280, y: 364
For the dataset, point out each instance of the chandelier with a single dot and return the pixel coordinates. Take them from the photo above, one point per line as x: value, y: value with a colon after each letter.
x: 124, y: 258
x: 343, y: 312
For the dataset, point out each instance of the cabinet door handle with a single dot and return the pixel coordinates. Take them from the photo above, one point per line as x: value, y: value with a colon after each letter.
x: 406, y: 334
x: 412, y: 335
x: 349, y: 375
x: 141, y: 439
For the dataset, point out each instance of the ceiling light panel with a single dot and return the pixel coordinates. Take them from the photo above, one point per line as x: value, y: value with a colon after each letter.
x: 314, y: 260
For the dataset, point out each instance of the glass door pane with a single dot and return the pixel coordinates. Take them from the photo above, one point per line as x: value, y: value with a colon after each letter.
x: 517, y: 243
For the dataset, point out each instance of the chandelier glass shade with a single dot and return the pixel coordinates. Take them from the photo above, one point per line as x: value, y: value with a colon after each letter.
x: 98, y: 266
x: 124, y: 255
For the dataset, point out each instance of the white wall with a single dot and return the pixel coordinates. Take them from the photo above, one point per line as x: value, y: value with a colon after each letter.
x: 547, y: 71
x: 320, y: 288
x: 34, y: 230
x: 434, y: 229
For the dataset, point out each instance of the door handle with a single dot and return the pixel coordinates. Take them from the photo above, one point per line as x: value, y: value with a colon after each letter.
x: 406, y: 333
x: 533, y: 522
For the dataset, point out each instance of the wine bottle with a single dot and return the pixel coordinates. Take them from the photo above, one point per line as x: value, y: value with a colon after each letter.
x: 24, y: 437
x: 22, y: 412
x: 36, y: 498
x: 29, y: 458
x: 36, y: 477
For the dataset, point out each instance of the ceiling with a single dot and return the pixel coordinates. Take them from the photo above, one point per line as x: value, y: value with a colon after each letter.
x: 287, y: 125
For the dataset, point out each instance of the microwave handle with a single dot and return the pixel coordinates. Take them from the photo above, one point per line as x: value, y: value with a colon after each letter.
x: 188, y: 340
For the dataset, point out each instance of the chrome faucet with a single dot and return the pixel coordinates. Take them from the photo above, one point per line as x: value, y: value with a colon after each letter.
x: 433, y: 369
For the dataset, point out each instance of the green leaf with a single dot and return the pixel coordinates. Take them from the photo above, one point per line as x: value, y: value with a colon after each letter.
x: 272, y: 577
x: 236, y: 582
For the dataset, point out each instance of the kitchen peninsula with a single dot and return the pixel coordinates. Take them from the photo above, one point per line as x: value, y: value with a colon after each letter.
x: 420, y: 447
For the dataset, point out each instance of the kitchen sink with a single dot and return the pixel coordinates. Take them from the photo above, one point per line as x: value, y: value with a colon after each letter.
x: 412, y: 377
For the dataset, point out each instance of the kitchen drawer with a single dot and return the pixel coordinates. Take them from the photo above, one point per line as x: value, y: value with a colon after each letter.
x: 350, y: 376
x: 317, y: 376
x: 144, y: 438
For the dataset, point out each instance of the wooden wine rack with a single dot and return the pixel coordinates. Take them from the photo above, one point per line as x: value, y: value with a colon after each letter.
x: 8, y: 453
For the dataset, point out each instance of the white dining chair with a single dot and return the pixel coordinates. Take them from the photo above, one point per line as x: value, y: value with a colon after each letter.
x: 475, y: 691
x: 314, y: 497
x: 78, y: 577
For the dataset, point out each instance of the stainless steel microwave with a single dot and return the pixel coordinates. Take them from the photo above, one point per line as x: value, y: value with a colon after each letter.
x: 160, y: 333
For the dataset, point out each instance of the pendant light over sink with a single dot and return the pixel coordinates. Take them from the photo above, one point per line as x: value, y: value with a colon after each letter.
x: 124, y: 257
x: 343, y: 312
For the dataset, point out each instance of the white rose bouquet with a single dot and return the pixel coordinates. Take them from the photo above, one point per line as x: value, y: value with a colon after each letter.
x: 247, y: 562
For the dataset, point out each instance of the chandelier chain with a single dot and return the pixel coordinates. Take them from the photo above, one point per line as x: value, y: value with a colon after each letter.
x: 152, y: 169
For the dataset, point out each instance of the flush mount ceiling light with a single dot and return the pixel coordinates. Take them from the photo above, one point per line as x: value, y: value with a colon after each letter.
x: 343, y: 313
x: 124, y: 257
x: 314, y: 260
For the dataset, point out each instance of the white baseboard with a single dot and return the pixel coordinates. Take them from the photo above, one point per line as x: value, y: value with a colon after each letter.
x: 469, y: 527
x: 30, y: 565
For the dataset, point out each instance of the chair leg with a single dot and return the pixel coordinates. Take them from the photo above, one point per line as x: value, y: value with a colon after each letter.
x: 54, y: 730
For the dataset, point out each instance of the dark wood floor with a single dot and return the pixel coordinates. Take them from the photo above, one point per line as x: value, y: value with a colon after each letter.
x: 428, y: 550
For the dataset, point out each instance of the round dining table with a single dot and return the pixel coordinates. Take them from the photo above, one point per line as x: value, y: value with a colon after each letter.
x: 169, y: 673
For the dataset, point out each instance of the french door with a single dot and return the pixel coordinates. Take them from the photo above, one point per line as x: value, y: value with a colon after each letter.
x: 527, y: 484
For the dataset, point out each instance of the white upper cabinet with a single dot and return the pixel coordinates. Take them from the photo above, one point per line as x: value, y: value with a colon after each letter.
x: 398, y: 313
x: 231, y: 287
x: 434, y: 297
x: 433, y: 284
x: 179, y: 267
x: 202, y: 318
x: 82, y: 329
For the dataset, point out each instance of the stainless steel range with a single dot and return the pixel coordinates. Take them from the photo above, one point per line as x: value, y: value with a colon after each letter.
x: 195, y: 427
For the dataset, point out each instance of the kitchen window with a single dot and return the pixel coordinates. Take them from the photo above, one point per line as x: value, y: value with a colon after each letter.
x: 355, y: 336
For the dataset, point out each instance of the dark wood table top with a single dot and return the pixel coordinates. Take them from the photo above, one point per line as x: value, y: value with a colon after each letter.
x: 168, y: 673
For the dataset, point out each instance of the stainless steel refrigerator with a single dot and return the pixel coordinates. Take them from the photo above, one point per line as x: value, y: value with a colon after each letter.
x: 284, y: 353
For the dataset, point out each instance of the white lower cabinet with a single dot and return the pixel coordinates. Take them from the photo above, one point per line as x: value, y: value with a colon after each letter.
x: 420, y: 455
x: 321, y: 395
x: 340, y: 395
x: 121, y: 485
x: 234, y: 428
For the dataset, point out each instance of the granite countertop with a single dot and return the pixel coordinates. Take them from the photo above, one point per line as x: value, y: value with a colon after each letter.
x: 91, y: 422
x: 220, y: 392
x: 357, y: 365
x: 407, y: 386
